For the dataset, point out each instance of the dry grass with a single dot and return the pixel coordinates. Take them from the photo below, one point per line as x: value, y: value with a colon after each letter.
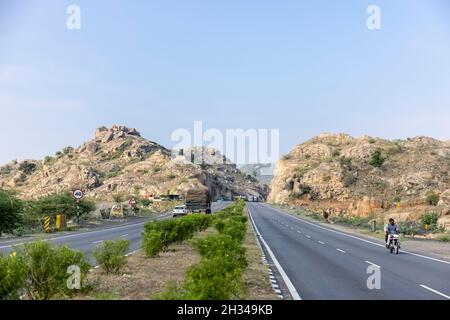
x: 256, y: 278
x: 143, y: 277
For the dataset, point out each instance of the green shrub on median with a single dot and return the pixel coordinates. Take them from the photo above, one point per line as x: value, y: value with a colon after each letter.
x: 172, y: 231
x: 219, y: 274
x: 224, y: 246
x: 214, y: 279
x: 13, y: 273
x: 46, y: 269
x: 151, y: 242
x: 110, y: 255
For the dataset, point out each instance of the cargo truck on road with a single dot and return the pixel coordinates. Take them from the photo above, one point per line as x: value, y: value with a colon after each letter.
x: 198, y: 200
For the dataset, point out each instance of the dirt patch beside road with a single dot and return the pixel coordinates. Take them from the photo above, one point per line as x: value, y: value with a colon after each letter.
x: 143, y: 277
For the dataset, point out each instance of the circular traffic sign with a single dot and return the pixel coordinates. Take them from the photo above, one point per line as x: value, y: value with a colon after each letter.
x: 132, y: 201
x: 78, y: 194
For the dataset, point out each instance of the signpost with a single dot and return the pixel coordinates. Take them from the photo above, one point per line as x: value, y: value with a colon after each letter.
x: 133, y: 203
x: 47, y: 224
x: 78, y: 194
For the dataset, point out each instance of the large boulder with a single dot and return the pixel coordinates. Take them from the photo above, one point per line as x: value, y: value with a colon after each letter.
x: 445, y: 197
x: 366, y: 206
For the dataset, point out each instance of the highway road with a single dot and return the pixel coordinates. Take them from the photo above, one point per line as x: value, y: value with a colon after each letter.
x: 317, y: 262
x: 87, y: 241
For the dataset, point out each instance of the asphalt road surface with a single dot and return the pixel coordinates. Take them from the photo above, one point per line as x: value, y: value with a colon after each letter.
x: 87, y: 241
x: 321, y: 263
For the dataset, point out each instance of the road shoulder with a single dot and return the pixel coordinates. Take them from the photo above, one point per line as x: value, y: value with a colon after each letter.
x: 256, y: 276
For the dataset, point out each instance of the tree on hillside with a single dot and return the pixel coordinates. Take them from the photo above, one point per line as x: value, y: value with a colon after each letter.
x: 10, y: 211
x: 377, y: 159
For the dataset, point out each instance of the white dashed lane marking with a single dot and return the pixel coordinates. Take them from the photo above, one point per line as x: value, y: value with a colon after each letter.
x: 373, y: 264
x: 435, y: 291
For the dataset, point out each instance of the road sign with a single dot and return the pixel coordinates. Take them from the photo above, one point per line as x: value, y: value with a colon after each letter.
x: 47, y: 224
x: 78, y: 194
x: 58, y: 222
x: 132, y: 202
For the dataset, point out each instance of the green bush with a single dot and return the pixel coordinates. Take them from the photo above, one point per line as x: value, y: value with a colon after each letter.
x: 219, y: 274
x: 151, y: 243
x: 5, y: 169
x: 377, y: 159
x: 63, y: 203
x: 345, y: 162
x: 444, y: 238
x: 145, y: 202
x: 430, y: 219
x: 235, y: 229
x: 49, y: 160
x: 410, y: 228
x: 13, y: 273
x: 354, y: 221
x: 224, y: 246
x: 173, y: 230
x: 110, y: 255
x: 432, y: 198
x: 219, y: 225
x: 212, y: 279
x: 47, y: 269
x: 10, y: 212
x: 27, y: 167
x: 349, y: 179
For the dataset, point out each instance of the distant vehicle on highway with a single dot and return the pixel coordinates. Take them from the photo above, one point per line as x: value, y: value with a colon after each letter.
x: 198, y: 200
x: 252, y: 199
x: 179, y: 211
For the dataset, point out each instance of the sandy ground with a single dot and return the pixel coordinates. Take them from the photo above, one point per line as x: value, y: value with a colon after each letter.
x: 143, y: 277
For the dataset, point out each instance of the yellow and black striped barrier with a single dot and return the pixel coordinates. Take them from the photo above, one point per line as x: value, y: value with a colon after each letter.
x: 47, y: 224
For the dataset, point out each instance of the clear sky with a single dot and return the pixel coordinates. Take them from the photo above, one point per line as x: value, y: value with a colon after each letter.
x: 303, y: 67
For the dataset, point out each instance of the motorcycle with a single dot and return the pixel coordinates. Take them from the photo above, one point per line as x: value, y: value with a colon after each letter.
x: 394, y: 243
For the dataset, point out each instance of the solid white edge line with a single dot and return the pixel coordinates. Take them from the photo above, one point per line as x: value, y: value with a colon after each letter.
x: 373, y: 264
x: 283, y: 274
x: 87, y: 233
x: 435, y: 291
x: 355, y: 237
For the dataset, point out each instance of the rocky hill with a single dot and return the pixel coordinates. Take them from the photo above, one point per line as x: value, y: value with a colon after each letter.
x: 342, y: 175
x: 119, y: 161
x: 263, y: 172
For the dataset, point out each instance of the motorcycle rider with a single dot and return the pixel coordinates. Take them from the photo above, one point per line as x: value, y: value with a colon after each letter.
x: 391, y: 228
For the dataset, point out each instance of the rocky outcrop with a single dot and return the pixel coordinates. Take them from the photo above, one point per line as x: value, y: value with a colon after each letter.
x: 119, y: 161
x: 363, y: 176
x: 263, y: 172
